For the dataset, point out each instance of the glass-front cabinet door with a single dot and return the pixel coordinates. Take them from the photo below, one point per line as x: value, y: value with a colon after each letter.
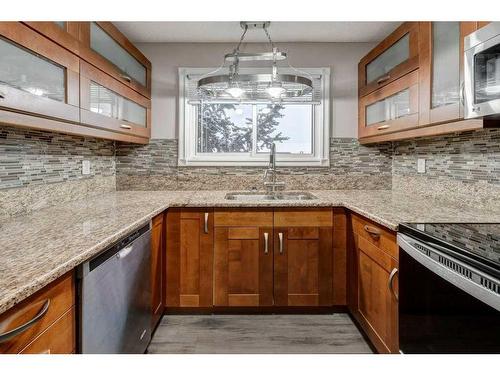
x: 107, y: 103
x: 113, y: 53
x: 37, y: 76
x: 391, y: 108
x: 394, y: 57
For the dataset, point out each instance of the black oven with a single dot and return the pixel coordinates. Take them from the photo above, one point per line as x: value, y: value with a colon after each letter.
x: 449, y: 300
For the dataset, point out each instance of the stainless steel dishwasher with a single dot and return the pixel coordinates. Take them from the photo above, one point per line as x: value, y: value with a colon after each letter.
x: 115, y: 297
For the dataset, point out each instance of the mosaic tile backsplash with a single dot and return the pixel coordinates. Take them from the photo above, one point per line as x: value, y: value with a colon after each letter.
x: 31, y: 157
x: 38, y: 169
x: 154, y: 167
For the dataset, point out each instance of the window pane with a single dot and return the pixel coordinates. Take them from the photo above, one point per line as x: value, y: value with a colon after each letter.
x: 289, y: 126
x: 225, y: 128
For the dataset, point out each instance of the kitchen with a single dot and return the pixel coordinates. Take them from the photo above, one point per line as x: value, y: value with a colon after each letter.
x: 249, y: 187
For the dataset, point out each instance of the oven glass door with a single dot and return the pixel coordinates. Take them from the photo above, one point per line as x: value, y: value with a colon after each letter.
x: 437, y: 317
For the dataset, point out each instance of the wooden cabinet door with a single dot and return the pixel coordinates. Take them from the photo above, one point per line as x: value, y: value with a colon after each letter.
x: 243, y: 260
x: 37, y: 76
x: 441, y: 46
x: 108, y: 104
x: 105, y: 47
x: 391, y: 109
x: 189, y: 258
x: 303, y: 252
x: 157, y: 246
x: 394, y: 57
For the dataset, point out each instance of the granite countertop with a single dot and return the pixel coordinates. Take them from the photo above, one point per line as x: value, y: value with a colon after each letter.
x: 38, y: 248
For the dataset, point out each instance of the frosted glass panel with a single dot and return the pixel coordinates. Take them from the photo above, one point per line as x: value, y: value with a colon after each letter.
x: 445, y: 63
x: 390, y: 108
x: 104, y: 45
x: 109, y: 103
x: 29, y: 72
x: 393, y: 56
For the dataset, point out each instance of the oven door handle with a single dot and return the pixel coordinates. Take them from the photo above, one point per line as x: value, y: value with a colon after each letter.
x: 468, y: 285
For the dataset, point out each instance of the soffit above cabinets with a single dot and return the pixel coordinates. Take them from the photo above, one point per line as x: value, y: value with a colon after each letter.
x: 225, y: 32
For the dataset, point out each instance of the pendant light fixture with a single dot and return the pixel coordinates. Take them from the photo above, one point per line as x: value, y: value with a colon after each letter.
x: 272, y: 86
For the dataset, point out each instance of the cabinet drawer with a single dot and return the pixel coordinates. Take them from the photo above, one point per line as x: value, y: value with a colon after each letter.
x: 37, y: 76
x: 318, y: 217
x: 243, y: 218
x: 392, y: 108
x: 376, y: 235
x: 50, y: 304
x: 394, y: 57
x: 59, y: 338
x: 107, y: 103
x: 105, y: 47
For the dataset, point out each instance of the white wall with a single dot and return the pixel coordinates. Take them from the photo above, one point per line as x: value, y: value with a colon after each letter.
x: 342, y: 58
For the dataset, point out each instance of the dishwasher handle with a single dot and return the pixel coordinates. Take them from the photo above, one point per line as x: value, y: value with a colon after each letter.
x: 124, y: 252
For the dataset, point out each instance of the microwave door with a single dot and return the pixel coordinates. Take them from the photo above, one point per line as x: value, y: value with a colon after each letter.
x: 482, y: 79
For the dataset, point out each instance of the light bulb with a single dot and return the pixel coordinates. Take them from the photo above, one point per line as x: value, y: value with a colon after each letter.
x: 276, y: 90
x: 235, y: 91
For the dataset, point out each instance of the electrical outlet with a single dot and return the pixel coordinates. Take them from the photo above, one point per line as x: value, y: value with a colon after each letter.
x: 86, y: 167
x: 421, y: 165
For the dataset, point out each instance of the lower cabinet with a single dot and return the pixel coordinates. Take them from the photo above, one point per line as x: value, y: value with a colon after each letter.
x: 189, y: 258
x: 43, y: 323
x: 303, y: 257
x: 157, y: 251
x: 243, y: 258
x: 373, y: 286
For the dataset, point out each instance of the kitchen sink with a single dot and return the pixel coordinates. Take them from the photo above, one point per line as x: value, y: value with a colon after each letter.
x: 277, y: 196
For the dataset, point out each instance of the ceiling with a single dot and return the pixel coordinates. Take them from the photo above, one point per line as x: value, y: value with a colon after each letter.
x: 158, y: 32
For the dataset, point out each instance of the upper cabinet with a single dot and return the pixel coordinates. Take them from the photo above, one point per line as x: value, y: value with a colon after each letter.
x: 82, y: 78
x: 37, y: 76
x: 394, y: 57
x: 411, y: 84
x: 108, y: 49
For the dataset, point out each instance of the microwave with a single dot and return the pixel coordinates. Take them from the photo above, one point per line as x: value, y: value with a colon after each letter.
x: 482, y: 72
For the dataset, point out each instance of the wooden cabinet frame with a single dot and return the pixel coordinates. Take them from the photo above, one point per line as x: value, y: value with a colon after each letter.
x: 409, y: 81
x: 451, y: 112
x: 18, y: 100
x: 90, y: 73
x: 97, y: 60
x: 67, y: 37
x: 398, y: 71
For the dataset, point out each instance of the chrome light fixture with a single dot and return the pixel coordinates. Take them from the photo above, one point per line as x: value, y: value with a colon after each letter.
x: 271, y: 86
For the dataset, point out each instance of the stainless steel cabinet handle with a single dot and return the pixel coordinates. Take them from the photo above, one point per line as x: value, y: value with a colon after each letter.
x: 18, y: 330
x: 383, y: 127
x: 391, y: 287
x: 206, y: 222
x: 123, y: 126
x: 383, y: 79
x: 266, y: 243
x: 126, y: 77
x: 462, y: 93
x: 374, y: 232
x: 2, y: 95
x: 280, y: 236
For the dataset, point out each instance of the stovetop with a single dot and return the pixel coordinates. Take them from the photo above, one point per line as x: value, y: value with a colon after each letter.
x: 476, y: 244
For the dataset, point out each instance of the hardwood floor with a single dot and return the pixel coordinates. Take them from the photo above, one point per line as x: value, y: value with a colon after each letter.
x: 329, y: 333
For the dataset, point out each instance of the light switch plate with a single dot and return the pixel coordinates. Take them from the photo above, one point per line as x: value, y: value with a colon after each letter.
x: 421, y: 165
x: 86, y: 167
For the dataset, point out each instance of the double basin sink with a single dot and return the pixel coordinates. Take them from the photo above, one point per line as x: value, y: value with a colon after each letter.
x: 276, y: 196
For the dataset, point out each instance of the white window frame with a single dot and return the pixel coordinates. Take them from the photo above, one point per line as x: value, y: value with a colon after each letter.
x: 188, y: 155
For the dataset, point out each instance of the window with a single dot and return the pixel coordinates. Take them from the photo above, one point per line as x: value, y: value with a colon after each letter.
x: 242, y: 133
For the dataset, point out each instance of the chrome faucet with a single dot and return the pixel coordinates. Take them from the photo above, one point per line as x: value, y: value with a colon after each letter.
x: 273, y: 185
